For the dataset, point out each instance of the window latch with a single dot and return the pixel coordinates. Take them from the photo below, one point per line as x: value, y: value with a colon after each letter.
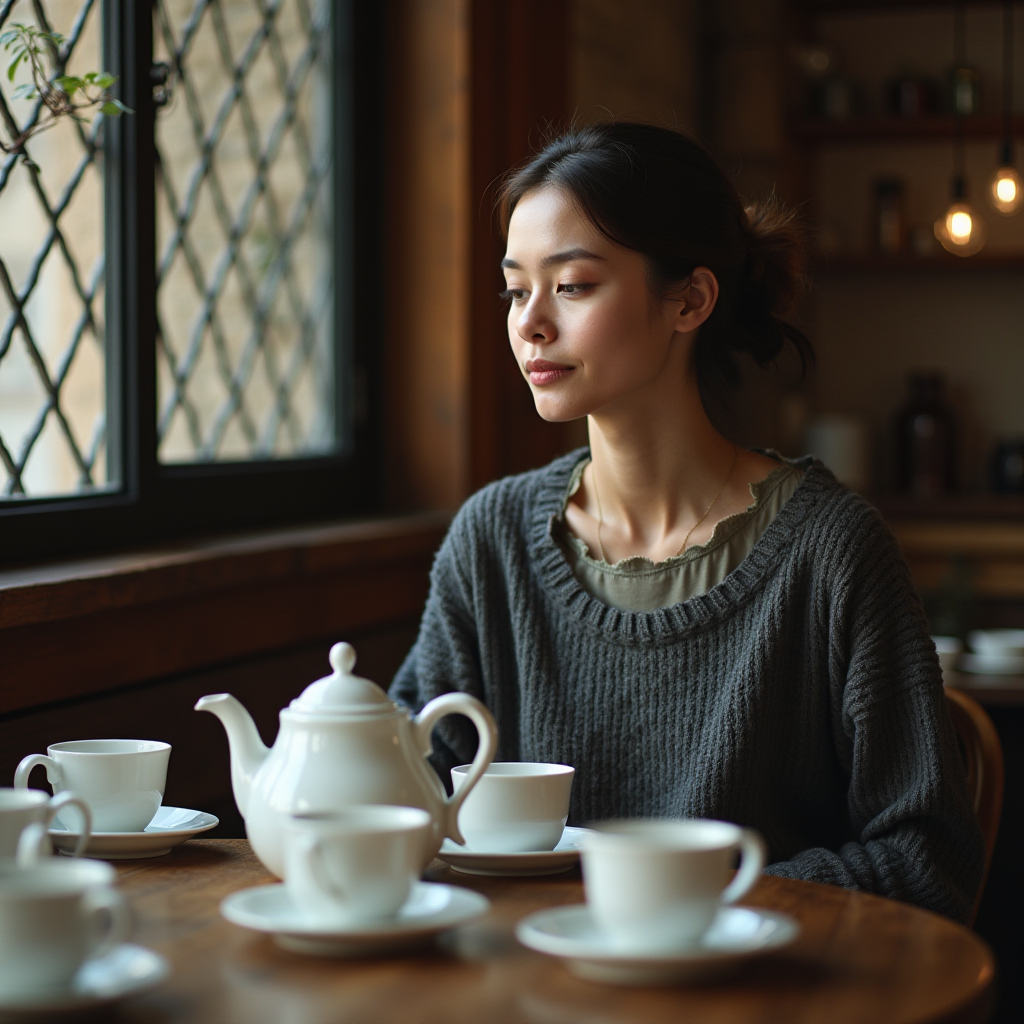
x: 160, y: 79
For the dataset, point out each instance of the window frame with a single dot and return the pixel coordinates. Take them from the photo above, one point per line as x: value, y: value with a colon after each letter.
x: 158, y: 502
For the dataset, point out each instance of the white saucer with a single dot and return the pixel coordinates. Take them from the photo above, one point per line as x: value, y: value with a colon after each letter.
x: 170, y: 827
x: 544, y: 862
x: 124, y: 971
x: 991, y: 664
x: 431, y: 908
x: 737, y: 934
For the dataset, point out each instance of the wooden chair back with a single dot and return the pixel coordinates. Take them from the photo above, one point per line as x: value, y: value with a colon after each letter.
x: 983, y: 755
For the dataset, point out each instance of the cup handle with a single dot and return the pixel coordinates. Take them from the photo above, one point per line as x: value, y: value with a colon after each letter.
x: 24, y: 770
x: 754, y: 856
x: 477, y: 713
x: 312, y: 860
x: 33, y: 843
x: 66, y: 800
x: 100, y: 903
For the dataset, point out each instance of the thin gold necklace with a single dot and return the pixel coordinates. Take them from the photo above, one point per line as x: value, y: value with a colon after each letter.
x: 707, y: 511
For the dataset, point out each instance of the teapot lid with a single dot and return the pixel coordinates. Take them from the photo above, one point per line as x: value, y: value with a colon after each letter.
x: 342, y: 692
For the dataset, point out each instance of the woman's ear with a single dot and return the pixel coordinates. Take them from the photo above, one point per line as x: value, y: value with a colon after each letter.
x: 696, y: 301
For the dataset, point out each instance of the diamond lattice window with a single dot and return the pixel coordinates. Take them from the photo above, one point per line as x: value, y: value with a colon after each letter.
x: 244, y: 296
x: 52, y: 376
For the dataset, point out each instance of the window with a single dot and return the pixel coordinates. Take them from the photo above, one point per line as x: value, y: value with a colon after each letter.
x: 182, y: 345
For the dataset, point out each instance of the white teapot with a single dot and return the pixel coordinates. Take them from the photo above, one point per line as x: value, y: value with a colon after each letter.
x: 344, y: 742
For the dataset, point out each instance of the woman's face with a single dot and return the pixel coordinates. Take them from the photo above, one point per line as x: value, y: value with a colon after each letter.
x: 581, y: 321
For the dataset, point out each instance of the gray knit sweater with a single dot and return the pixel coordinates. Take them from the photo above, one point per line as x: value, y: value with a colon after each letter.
x: 801, y: 696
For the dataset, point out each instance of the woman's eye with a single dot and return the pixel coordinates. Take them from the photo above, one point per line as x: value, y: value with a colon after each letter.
x: 512, y: 295
x: 574, y: 289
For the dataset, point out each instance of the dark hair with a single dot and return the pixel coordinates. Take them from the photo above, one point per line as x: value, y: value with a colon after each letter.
x: 660, y: 193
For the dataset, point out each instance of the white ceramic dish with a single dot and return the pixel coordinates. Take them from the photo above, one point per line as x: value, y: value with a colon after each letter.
x: 171, y: 827
x: 125, y: 971
x: 737, y: 935
x: 431, y: 908
x: 997, y: 642
x: 545, y: 862
x: 990, y: 665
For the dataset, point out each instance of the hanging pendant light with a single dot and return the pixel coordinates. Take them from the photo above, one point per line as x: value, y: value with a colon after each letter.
x: 960, y: 230
x: 1006, y: 185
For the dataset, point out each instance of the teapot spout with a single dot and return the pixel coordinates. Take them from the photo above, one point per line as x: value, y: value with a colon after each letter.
x: 248, y: 751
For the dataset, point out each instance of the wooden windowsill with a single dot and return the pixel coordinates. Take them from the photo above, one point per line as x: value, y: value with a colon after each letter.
x: 76, y: 629
x: 67, y: 589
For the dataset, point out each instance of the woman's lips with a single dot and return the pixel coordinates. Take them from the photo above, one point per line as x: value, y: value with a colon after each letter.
x: 541, y: 371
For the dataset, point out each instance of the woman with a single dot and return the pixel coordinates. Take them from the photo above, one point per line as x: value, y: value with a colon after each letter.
x: 701, y: 630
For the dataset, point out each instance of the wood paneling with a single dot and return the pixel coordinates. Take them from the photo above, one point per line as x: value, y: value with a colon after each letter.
x: 473, y: 88
x: 427, y: 266
x: 102, y: 625
x: 519, y: 93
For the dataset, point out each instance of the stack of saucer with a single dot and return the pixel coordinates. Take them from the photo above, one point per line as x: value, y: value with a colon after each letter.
x: 995, y: 652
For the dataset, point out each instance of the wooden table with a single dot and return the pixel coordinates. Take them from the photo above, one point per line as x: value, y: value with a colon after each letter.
x: 859, y: 958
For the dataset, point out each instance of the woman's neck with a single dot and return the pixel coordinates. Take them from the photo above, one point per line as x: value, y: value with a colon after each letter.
x: 660, y: 478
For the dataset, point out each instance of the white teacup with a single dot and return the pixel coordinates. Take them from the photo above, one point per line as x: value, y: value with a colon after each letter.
x: 354, y: 866
x: 122, y: 781
x: 516, y: 807
x: 20, y: 808
x: 53, y: 917
x: 655, y: 886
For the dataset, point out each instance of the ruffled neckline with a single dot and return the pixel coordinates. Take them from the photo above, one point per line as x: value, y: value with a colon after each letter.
x: 724, y: 528
x: 670, y: 624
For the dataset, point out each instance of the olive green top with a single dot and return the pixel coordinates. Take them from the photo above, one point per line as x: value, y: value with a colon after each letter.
x: 639, y: 585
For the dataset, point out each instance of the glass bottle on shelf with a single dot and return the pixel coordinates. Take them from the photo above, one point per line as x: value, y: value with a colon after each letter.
x: 889, y: 217
x: 925, y: 429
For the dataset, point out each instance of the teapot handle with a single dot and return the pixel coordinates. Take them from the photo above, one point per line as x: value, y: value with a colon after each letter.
x: 477, y: 713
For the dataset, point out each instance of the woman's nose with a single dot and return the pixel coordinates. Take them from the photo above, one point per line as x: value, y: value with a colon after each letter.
x: 534, y: 325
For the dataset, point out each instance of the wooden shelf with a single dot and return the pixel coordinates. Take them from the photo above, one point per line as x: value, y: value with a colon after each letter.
x: 819, y: 7
x: 889, y: 129
x: 940, y: 262
x: 951, y: 506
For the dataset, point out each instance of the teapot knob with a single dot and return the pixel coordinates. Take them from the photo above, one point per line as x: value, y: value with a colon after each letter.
x: 343, y: 658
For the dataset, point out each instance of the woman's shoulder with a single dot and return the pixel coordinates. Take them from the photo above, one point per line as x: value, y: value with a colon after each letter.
x: 839, y: 526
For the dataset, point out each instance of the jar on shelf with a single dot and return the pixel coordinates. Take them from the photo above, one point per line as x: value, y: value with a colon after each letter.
x: 889, y: 231
x: 926, y: 438
x: 965, y: 91
x: 911, y: 95
x: 1008, y: 466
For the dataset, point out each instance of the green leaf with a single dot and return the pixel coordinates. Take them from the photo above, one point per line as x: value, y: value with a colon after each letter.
x: 103, y: 79
x: 7, y: 38
x: 25, y: 91
x: 14, y: 66
x: 69, y: 84
x: 115, y: 108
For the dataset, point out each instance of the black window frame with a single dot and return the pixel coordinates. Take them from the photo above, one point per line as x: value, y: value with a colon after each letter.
x: 161, y: 502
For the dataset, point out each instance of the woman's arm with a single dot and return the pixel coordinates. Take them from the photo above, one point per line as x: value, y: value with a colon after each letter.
x: 444, y: 658
x: 916, y: 836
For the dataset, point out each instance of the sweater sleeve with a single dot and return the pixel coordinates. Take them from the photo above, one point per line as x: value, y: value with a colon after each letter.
x: 445, y: 656
x: 914, y: 835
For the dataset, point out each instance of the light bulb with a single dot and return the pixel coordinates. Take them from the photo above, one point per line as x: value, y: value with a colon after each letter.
x: 1006, y: 190
x: 961, y: 230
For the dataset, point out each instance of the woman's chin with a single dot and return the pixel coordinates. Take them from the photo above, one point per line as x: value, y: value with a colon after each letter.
x: 557, y: 412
